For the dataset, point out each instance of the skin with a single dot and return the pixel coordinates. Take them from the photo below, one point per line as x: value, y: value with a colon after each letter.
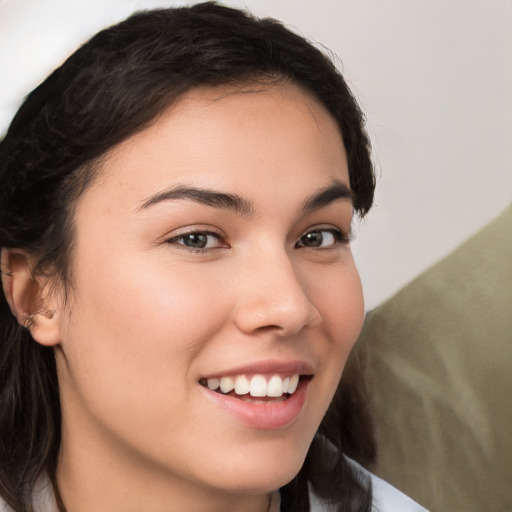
x: 146, y: 317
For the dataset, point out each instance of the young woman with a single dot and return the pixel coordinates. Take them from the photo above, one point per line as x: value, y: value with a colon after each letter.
x: 179, y: 295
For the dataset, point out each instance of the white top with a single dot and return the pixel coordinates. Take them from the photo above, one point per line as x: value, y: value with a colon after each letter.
x: 386, y: 498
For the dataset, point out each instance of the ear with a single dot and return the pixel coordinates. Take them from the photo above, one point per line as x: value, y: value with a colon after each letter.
x: 28, y: 297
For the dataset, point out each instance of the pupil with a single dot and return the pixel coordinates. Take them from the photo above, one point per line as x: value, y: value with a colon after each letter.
x: 196, y: 240
x: 313, y: 239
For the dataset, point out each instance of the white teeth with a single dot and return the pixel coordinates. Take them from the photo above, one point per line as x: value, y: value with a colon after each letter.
x: 227, y: 384
x: 294, y: 382
x: 242, y: 385
x: 275, y: 386
x: 213, y: 383
x: 286, y: 384
x: 257, y: 386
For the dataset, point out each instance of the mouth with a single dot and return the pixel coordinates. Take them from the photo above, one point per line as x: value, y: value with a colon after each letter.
x: 265, y: 394
x: 257, y: 388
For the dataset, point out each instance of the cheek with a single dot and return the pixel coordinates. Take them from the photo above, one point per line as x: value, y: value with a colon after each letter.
x: 133, y: 335
x: 339, y: 298
x: 139, y: 324
x: 149, y: 295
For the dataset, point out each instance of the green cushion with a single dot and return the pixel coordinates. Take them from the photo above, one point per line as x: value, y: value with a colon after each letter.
x: 440, y: 371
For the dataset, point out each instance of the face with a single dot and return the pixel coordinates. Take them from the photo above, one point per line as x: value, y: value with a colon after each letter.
x: 211, y: 251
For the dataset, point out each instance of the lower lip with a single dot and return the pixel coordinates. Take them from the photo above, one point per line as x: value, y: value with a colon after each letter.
x: 264, y: 415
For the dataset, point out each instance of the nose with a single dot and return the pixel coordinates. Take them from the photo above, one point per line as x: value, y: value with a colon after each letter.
x: 273, y: 296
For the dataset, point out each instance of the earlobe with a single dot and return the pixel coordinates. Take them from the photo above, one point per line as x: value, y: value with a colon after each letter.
x: 28, y: 298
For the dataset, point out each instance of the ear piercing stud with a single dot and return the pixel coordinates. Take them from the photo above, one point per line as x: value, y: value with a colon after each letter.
x: 29, y: 318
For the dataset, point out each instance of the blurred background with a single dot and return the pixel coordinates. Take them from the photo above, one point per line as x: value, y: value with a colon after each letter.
x: 433, y: 76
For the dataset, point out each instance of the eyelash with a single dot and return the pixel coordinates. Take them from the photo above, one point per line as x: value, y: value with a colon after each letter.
x: 339, y: 238
x: 175, y: 240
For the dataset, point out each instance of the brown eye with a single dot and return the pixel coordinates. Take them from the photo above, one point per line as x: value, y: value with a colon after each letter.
x: 313, y: 239
x: 321, y: 238
x: 198, y: 240
x: 195, y: 240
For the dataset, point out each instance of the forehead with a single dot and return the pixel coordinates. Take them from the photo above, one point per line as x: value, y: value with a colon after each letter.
x: 232, y: 138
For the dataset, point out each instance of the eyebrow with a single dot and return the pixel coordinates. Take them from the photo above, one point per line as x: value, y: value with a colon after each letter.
x: 233, y: 202
x: 336, y: 190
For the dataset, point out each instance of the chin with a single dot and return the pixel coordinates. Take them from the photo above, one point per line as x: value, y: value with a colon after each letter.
x: 259, y: 482
x: 262, y: 470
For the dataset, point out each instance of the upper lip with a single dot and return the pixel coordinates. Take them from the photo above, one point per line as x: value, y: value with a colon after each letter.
x: 285, y: 367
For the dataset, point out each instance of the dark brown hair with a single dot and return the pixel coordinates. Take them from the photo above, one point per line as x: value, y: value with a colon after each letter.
x: 112, y: 87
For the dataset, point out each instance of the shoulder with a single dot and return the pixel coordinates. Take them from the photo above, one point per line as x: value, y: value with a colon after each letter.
x: 43, y: 499
x: 4, y: 507
x: 385, y: 497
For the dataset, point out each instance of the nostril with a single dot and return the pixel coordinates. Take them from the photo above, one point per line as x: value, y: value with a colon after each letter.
x: 265, y: 328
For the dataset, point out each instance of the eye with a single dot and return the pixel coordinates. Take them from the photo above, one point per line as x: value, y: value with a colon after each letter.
x: 198, y: 240
x: 320, y: 238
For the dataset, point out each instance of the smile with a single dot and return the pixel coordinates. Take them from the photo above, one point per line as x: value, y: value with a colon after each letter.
x: 257, y: 387
x: 263, y: 401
